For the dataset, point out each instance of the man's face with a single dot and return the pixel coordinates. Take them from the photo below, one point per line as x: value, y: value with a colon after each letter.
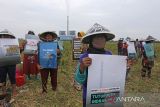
x: 99, y: 42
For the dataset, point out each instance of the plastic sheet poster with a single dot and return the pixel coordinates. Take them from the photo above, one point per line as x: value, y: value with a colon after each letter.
x: 47, y: 54
x: 9, y: 52
x: 31, y: 46
x: 106, y: 82
x: 149, y: 50
x: 77, y: 51
x: 131, y: 50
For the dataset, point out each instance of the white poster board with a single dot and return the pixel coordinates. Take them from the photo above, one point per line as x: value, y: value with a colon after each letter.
x: 31, y: 46
x: 9, y: 52
x: 131, y: 50
x: 106, y: 80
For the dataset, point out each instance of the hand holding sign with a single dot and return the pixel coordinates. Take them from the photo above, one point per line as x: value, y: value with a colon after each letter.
x: 85, y: 63
x: 58, y: 51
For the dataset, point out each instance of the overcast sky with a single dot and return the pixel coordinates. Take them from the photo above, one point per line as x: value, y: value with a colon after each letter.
x: 133, y: 18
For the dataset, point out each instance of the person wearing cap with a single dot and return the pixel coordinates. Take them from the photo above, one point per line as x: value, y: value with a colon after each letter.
x: 9, y: 70
x: 30, y: 62
x: 96, y: 37
x: 49, y: 37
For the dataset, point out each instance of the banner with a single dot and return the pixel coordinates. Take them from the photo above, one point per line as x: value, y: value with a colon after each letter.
x: 9, y: 52
x: 105, y: 81
x: 48, y: 54
x: 72, y: 33
x: 131, y: 50
x: 77, y: 51
x: 66, y: 38
x: 62, y: 33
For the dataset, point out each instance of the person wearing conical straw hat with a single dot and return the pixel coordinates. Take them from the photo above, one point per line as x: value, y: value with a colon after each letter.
x: 49, y: 36
x: 96, y: 37
x: 148, y: 55
x: 9, y: 70
x: 6, y: 34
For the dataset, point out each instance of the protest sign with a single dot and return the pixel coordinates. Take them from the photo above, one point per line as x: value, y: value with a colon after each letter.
x: 77, y: 51
x: 9, y: 52
x: 48, y: 54
x: 105, y: 81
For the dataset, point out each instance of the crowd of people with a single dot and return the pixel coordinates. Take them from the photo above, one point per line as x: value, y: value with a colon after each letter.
x: 94, y: 42
x: 144, y: 50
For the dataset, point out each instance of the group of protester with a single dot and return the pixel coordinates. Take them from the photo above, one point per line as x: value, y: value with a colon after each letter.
x: 30, y: 65
x: 94, y: 42
x: 147, y: 61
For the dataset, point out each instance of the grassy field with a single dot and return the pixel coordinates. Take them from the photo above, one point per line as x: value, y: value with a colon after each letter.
x: 66, y: 96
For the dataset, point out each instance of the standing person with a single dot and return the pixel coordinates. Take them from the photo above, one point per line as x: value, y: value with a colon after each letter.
x: 84, y: 48
x: 140, y: 48
x: 147, y: 58
x: 125, y: 50
x: 30, y: 62
x: 8, y: 70
x: 120, y: 46
x: 137, y: 47
x: 49, y: 37
x: 96, y: 37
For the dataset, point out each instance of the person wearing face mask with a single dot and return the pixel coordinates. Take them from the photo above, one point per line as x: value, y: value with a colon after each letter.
x: 49, y: 37
x: 96, y: 37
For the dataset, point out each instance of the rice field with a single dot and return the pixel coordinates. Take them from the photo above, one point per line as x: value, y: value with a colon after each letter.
x: 67, y: 96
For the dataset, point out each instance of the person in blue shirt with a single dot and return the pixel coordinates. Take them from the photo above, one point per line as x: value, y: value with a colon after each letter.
x: 96, y: 37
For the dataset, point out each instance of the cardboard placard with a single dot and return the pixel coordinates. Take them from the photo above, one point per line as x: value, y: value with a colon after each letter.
x: 47, y: 54
x: 9, y: 52
x: 31, y: 46
x: 131, y: 50
x: 105, y: 81
x: 77, y: 51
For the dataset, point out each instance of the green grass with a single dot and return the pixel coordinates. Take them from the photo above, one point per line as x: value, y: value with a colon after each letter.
x: 66, y: 96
